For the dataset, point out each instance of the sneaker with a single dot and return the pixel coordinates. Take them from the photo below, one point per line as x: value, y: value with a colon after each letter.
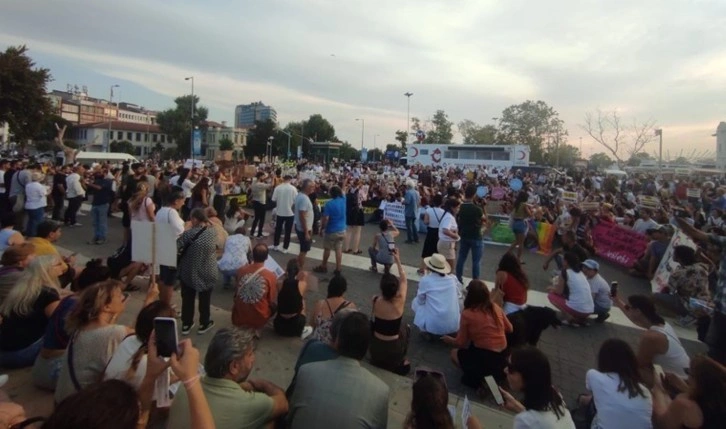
x: 275, y: 248
x: 204, y: 328
x: 283, y: 250
x: 602, y: 317
x: 186, y: 329
x: 306, y: 332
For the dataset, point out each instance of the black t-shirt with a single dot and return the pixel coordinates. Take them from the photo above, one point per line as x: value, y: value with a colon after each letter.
x: 469, y: 221
x: 129, y: 187
x: 577, y: 250
x: 58, y: 179
x: 18, y: 332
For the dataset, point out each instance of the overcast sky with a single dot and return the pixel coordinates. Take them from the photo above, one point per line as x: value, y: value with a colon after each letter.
x: 650, y: 59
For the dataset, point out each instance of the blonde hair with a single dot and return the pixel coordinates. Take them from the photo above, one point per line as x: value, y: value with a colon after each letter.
x: 142, y: 190
x: 26, y: 291
x: 90, y: 303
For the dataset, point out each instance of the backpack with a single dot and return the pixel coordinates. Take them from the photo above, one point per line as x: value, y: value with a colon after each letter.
x: 119, y: 260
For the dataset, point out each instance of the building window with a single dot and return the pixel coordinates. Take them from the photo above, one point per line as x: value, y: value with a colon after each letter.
x: 500, y: 156
x: 129, y: 136
x: 138, y: 137
x: 153, y: 138
x: 163, y: 137
x: 119, y: 135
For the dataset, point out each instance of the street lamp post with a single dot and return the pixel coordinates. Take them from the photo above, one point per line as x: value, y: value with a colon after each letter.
x: 408, y: 114
x: 659, y: 133
x: 191, y: 137
x: 110, y: 105
x: 362, y: 131
x: 374, y: 146
x: 269, y: 149
x: 289, y: 136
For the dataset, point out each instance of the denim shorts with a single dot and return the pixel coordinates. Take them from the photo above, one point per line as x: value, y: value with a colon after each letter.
x: 519, y: 226
x: 167, y: 275
x: 305, y: 244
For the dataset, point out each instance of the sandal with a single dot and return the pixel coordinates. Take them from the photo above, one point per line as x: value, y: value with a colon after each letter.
x: 320, y: 269
x: 348, y: 251
x: 359, y: 252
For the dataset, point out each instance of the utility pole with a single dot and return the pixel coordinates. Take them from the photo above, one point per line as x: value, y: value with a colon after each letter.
x: 191, y: 137
x: 408, y: 115
x: 659, y: 133
x: 110, y: 106
x: 362, y: 131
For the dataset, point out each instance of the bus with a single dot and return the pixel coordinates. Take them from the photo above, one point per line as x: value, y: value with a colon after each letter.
x: 474, y: 156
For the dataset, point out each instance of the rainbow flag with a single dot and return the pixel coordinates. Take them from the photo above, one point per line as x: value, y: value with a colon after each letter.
x: 545, y: 236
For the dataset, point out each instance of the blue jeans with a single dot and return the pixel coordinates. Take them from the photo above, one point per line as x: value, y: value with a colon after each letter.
x: 99, y: 215
x: 228, y: 275
x: 411, y: 232
x: 21, y: 358
x: 477, y: 251
x: 35, y: 217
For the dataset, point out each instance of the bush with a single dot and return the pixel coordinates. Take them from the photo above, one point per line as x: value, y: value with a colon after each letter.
x: 226, y: 144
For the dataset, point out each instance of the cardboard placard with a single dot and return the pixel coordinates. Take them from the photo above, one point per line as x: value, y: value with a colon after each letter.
x: 693, y: 193
x: 142, y: 249
x: 617, y: 244
x: 395, y: 212
x: 649, y: 202
x: 570, y: 197
x: 249, y: 171
x: 590, y: 206
x: 667, y: 265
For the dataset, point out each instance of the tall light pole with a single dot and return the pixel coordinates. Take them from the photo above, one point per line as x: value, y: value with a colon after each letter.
x: 191, y: 137
x: 289, y: 136
x: 659, y: 133
x: 269, y: 148
x: 408, y: 114
x: 374, y: 145
x: 110, y: 105
x: 362, y: 131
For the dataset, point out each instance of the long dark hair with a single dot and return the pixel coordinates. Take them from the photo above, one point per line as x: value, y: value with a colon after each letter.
x: 450, y: 204
x: 429, y: 404
x: 522, y: 197
x: 293, y: 269
x: 706, y: 389
x: 144, y: 326
x: 112, y: 404
x: 539, y: 394
x: 203, y: 184
x: 617, y: 356
x: 510, y: 265
x: 647, y: 307
x: 477, y: 298
x: 233, y: 207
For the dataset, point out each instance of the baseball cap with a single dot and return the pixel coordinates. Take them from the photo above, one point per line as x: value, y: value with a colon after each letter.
x: 591, y: 264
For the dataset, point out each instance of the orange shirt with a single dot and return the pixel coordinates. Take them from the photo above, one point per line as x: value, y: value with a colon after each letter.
x: 253, y: 300
x: 481, y: 329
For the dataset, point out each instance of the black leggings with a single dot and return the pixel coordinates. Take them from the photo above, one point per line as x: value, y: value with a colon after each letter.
x: 260, y: 211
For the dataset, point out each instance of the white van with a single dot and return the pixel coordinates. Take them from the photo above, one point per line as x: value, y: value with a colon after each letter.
x: 99, y: 157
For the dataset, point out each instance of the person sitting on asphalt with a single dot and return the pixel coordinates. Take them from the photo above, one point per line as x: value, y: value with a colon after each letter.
x: 513, y: 282
x: 569, y: 244
x: 14, y: 260
x: 571, y: 294
x: 255, y: 297
x: 237, y: 249
x: 481, y: 341
x: 236, y: 402
x: 382, y: 247
x: 659, y: 344
x: 600, y: 290
x: 436, y: 304
x: 389, y: 344
x: 48, y: 233
x: 341, y: 393
x: 325, y: 310
x: 290, y: 319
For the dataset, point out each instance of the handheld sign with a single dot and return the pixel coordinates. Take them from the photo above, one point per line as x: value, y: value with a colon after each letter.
x: 515, y: 184
x: 570, y: 197
x: 482, y: 191
x: 590, y: 206
x: 498, y: 193
x: 693, y: 193
x: 649, y: 202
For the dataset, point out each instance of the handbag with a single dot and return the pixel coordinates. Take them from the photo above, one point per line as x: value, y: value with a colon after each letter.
x: 184, y: 249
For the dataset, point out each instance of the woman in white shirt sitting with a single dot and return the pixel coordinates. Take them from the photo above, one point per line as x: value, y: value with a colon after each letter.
x: 236, y: 255
x: 572, y: 294
x: 36, y: 198
x: 437, y: 305
x: 616, y: 389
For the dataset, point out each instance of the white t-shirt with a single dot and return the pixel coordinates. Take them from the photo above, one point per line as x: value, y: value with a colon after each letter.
x: 186, y: 186
x: 303, y: 203
x: 532, y: 419
x: 284, y: 195
x: 447, y: 222
x: 435, y: 213
x: 580, y: 298
x: 600, y: 291
x: 642, y: 226
x: 614, y: 407
x: 170, y: 216
x: 120, y: 363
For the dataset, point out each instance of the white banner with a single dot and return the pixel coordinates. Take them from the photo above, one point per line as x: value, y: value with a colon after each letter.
x: 395, y: 212
x: 666, y: 266
x: 141, y: 245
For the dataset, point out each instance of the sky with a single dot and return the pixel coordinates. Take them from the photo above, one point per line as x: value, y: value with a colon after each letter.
x: 660, y: 60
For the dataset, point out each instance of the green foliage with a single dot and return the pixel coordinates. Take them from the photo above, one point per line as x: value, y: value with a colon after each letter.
x: 176, y: 122
x: 169, y: 154
x: 532, y: 123
x: 226, y: 144
x: 681, y: 160
x: 563, y: 155
x: 375, y: 155
x: 257, y: 139
x: 123, y: 146
x: 600, y: 161
x: 23, y: 101
x: 474, y: 133
x: 441, y: 132
x: 315, y: 127
x: 401, y: 137
x: 44, y: 146
x: 348, y: 152
x: 158, y: 148
x: 47, y: 131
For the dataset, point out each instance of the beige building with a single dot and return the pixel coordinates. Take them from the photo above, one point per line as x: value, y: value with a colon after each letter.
x: 216, y: 132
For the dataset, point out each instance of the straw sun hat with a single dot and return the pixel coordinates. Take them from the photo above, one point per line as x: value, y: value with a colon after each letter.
x: 437, y: 263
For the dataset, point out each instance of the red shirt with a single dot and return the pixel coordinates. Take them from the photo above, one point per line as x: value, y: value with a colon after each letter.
x: 253, y: 300
x: 514, y: 291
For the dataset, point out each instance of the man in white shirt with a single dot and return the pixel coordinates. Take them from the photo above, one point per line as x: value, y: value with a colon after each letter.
x: 600, y: 289
x: 170, y: 214
x: 304, y: 220
x: 75, y: 193
x: 284, y: 195
x: 645, y: 222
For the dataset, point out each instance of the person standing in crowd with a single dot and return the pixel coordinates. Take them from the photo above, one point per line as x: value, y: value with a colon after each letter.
x: 181, y: 181
x: 255, y: 296
x: 481, y: 341
x: 471, y: 217
x: 36, y: 199
x: 141, y: 206
x: 222, y: 184
x: 333, y: 230
x: 542, y: 406
x: 354, y: 218
x: 411, y: 202
x: 20, y: 178
x: 520, y: 214
x: 169, y: 214
x: 198, y: 271
x: 4, y: 166
x: 101, y: 187
x: 436, y: 305
x: 432, y: 217
x: 600, y: 289
x: 304, y: 219
x: 449, y: 231
x: 572, y: 294
x: 58, y: 193
x: 235, y: 400
x: 284, y: 196
x: 340, y: 393
x: 259, y: 202
x: 513, y: 283
x: 75, y: 194
x: 383, y: 247
x: 200, y: 194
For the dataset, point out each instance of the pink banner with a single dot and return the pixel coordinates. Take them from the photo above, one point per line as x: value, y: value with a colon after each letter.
x: 617, y: 244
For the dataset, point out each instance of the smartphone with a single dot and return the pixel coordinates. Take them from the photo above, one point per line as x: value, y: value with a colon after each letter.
x: 614, y: 289
x: 494, y: 389
x: 167, y: 339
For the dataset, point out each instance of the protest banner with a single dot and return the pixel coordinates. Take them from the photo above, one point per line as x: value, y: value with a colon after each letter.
x: 395, y: 212
x: 241, y: 199
x: 570, y: 197
x: 545, y: 237
x: 617, y: 244
x: 667, y: 265
x: 649, y: 202
x: 193, y: 163
x: 590, y: 206
x: 693, y: 193
x: 498, y: 193
x: 161, y: 250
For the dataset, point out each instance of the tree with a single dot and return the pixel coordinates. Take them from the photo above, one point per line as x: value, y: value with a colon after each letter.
x: 315, y: 127
x: 681, y: 160
x: 441, y: 129
x: 348, y: 152
x: 124, y: 146
x: 226, y: 144
x: 622, y: 141
x: 176, y: 122
x: 563, y: 155
x: 532, y: 123
x: 375, y: 155
x: 600, y: 161
x: 23, y: 104
x: 402, y: 137
x: 258, y: 138
x: 474, y: 133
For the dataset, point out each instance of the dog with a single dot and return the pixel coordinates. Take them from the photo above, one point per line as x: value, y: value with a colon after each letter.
x: 529, y: 324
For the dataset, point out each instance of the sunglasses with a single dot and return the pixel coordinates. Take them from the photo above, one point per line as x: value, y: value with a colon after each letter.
x: 422, y: 372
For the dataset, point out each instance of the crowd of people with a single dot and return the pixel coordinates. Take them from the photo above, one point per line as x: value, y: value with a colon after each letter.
x: 60, y: 318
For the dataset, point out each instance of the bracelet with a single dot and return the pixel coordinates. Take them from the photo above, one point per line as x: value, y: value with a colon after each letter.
x: 188, y: 383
